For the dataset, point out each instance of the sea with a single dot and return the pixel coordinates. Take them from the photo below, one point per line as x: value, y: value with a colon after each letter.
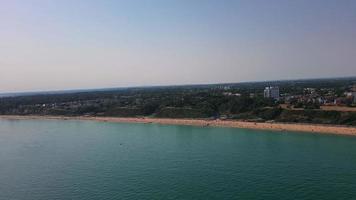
x: 69, y: 159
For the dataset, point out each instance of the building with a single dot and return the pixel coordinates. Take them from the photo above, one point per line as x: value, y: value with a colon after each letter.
x: 231, y: 94
x: 271, y: 92
x: 354, y: 93
x: 352, y: 96
x: 340, y: 101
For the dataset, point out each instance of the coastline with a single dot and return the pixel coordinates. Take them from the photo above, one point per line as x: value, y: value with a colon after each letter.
x: 307, y: 128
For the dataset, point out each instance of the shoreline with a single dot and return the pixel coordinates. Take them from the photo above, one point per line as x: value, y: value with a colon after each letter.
x: 306, y: 128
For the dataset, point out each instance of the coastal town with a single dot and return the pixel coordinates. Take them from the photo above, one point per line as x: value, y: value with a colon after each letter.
x: 329, y: 101
x: 309, y: 98
x: 321, y: 97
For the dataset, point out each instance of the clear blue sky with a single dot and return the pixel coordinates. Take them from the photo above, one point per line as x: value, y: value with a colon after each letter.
x: 66, y: 44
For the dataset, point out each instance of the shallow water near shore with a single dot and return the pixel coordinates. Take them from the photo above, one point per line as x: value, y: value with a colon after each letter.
x: 68, y: 159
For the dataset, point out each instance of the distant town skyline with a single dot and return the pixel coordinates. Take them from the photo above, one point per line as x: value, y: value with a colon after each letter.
x: 63, y: 45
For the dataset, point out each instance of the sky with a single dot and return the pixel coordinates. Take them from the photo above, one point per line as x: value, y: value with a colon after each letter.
x: 65, y: 44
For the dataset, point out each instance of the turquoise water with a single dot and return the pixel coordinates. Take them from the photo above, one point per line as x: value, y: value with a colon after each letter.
x: 52, y: 159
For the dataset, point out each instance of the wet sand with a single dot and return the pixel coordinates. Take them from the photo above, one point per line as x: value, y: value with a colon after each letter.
x: 311, y: 128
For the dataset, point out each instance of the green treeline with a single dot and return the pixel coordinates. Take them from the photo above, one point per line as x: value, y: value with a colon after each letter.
x: 230, y: 101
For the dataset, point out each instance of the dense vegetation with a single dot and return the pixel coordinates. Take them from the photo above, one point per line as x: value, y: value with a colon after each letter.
x: 243, y: 101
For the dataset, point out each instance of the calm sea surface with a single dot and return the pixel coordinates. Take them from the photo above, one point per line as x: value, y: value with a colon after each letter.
x: 52, y: 159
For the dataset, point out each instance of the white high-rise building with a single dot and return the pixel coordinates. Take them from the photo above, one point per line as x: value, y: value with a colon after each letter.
x: 353, y: 96
x: 271, y: 92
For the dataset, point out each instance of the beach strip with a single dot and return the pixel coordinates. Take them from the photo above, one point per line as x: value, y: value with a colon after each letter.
x: 311, y: 128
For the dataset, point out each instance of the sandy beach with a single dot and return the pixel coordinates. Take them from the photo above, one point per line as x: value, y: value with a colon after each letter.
x: 311, y: 128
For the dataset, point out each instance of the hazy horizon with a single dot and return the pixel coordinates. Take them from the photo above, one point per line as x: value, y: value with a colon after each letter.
x: 64, y: 45
x: 171, y: 85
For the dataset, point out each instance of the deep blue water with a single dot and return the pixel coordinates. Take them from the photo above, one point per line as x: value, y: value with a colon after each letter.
x: 53, y: 159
